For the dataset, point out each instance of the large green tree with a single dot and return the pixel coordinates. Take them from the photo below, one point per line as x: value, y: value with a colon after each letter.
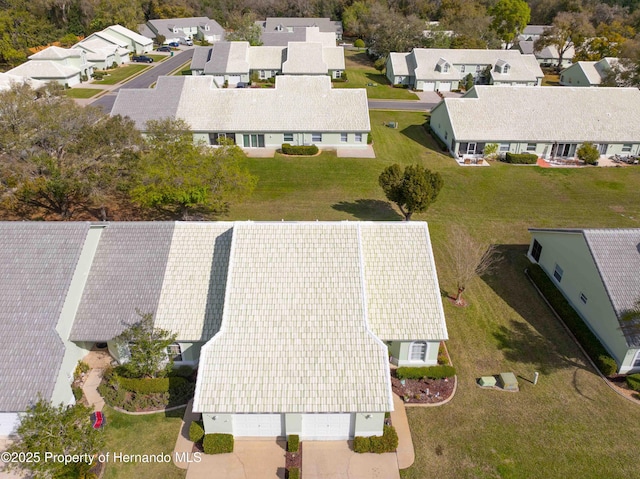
x: 412, y: 190
x: 58, y: 157
x: 185, y: 179
x: 569, y: 29
x: 48, y: 429
x: 509, y: 19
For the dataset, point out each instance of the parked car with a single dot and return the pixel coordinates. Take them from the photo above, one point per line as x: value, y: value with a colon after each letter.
x: 164, y: 48
x: 174, y: 44
x: 187, y: 41
x: 142, y: 59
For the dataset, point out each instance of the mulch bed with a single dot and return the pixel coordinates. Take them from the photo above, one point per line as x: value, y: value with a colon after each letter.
x: 422, y: 391
x: 294, y: 459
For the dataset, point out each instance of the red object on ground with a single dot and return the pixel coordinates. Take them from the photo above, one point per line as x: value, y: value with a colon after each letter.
x: 98, y: 419
x: 543, y: 163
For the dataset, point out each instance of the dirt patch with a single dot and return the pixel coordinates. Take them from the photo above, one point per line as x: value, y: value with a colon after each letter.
x: 294, y: 459
x: 422, y: 391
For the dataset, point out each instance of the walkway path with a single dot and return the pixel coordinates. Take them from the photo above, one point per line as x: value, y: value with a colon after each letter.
x: 184, y: 446
x: 405, y: 452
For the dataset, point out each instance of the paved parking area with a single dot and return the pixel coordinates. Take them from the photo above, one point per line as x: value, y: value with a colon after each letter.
x: 336, y: 460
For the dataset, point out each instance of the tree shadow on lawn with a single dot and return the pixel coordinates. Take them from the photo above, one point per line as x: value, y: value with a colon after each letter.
x: 540, y: 341
x: 368, y: 209
x: 360, y: 58
x: 378, y: 78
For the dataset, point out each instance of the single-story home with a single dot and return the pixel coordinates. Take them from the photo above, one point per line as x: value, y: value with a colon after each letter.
x: 597, y: 271
x: 551, y: 122
x: 438, y: 69
x: 124, y: 38
x: 65, y: 66
x: 292, y: 325
x: 587, y: 73
x: 300, y: 110
x: 102, y: 53
x: 177, y: 29
x: 278, y: 31
x: 7, y: 81
x: 548, y: 56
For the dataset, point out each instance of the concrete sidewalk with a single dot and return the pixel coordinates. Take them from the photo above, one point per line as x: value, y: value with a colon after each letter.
x: 90, y: 389
x: 405, y: 451
x: 336, y: 460
x: 184, y: 444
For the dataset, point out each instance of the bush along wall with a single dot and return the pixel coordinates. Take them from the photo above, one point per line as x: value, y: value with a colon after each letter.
x: 388, y: 442
x: 520, y: 158
x: 302, y: 150
x: 431, y: 372
x: 217, y: 443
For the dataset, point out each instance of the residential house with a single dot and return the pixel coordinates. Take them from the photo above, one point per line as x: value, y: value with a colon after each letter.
x: 278, y: 31
x: 551, y: 122
x: 62, y: 65
x: 306, y: 314
x: 7, y: 81
x: 177, y: 29
x: 597, y: 272
x: 437, y: 69
x: 103, y: 53
x: 587, y: 73
x: 547, y: 56
x: 253, y: 117
x: 124, y: 38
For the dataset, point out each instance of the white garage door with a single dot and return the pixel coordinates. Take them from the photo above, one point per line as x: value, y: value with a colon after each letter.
x: 8, y: 423
x: 234, y: 79
x: 258, y: 425
x: 327, y: 427
x: 429, y: 86
x: 445, y: 86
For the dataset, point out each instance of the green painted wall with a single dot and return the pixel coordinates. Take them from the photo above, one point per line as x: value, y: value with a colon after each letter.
x: 190, y: 352
x: 369, y: 424
x: 574, y: 76
x: 275, y: 140
x: 293, y: 424
x: 223, y: 423
x: 441, y: 125
x: 399, y: 351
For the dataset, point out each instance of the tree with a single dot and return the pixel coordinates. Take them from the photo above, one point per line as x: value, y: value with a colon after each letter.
x: 185, y: 178
x: 244, y: 28
x: 469, y: 258
x: 61, y: 429
x: 588, y: 153
x: 468, y: 82
x: 568, y: 30
x: 359, y: 43
x: 147, y: 347
x: 412, y: 190
x: 57, y: 156
x: 509, y: 19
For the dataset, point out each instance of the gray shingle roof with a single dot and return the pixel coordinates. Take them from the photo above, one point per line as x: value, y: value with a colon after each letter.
x: 228, y: 57
x: 165, y: 26
x: 38, y: 262
x: 324, y: 24
x: 126, y: 274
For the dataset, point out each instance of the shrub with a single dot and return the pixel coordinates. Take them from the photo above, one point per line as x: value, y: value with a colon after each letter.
x: 303, y: 150
x: 520, y: 158
x: 294, y: 473
x: 361, y: 444
x: 77, y: 392
x: 293, y: 443
x: 359, y: 43
x: 217, y: 443
x: 370, y: 138
x: 490, y: 150
x: 196, y: 432
x: 114, y: 65
x: 388, y: 442
x: 431, y: 372
x: 81, y: 368
x: 588, y: 153
x: 153, y: 385
x: 633, y: 381
x: 182, y: 371
x: 594, y: 348
x: 97, y: 75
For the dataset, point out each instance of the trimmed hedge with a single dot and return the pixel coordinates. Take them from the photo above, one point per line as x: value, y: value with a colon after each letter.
x: 303, y: 150
x: 520, y: 158
x: 431, y: 372
x: 196, y: 432
x: 217, y: 443
x: 633, y: 381
x: 293, y: 473
x: 182, y: 371
x: 293, y: 443
x: 596, y: 351
x: 77, y: 392
x: 150, y: 386
x: 388, y: 442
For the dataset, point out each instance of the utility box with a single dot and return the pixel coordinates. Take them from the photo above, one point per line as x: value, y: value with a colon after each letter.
x: 487, y: 381
x: 508, y: 382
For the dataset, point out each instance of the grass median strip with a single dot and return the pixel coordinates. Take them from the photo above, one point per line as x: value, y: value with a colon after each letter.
x: 120, y: 74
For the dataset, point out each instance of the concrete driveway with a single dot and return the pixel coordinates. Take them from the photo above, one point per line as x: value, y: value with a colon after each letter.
x: 335, y: 460
x: 250, y: 459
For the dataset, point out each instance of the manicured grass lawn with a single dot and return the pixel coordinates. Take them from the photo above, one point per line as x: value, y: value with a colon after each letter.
x: 361, y: 74
x: 570, y: 425
x: 148, y: 434
x: 122, y: 73
x: 157, y: 57
x: 82, y: 92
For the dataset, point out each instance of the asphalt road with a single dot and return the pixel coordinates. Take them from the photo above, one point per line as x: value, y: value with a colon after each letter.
x: 145, y: 80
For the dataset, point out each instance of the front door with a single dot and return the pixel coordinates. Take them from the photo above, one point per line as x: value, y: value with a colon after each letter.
x: 471, y: 149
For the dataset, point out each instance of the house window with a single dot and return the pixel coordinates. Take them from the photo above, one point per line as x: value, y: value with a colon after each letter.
x: 504, y: 147
x: 358, y: 137
x: 418, y: 351
x: 263, y: 74
x: 505, y: 69
x: 174, y: 352
x: 316, y: 136
x: 446, y: 134
x: 531, y: 146
x: 461, y: 68
x: 288, y: 137
x: 626, y: 148
x: 636, y: 363
x: 445, y: 68
x: 253, y: 141
x: 338, y: 74
x: 215, y: 138
x: 583, y: 298
x: 557, y: 273
x: 343, y: 137
x: 536, y: 250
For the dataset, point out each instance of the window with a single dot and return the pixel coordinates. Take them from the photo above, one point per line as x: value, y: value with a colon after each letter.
x: 636, y: 363
x: 263, y: 74
x: 471, y: 148
x: 174, y: 352
x: 358, y: 137
x: 288, y: 137
x: 343, y: 137
x: 418, y: 351
x: 461, y: 68
x: 445, y: 68
x: 214, y: 138
x: 253, y: 141
x: 316, y: 136
x: 338, y: 74
x: 536, y: 249
x: 446, y: 134
x: 557, y: 273
x: 504, y: 147
x: 531, y: 146
x: 626, y: 148
x: 505, y: 69
x: 583, y: 298
x: 478, y: 68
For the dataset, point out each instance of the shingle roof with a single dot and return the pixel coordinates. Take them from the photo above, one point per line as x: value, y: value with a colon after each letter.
x: 304, y: 58
x: 55, y: 53
x: 7, y: 80
x: 324, y: 24
x: 195, y: 280
x: 130, y: 34
x: 44, y: 69
x: 599, y: 115
x: 310, y: 102
x: 228, y: 57
x: 165, y: 26
x: 38, y: 262
x: 126, y: 274
x: 400, y: 63
x: 266, y: 58
x: 281, y: 39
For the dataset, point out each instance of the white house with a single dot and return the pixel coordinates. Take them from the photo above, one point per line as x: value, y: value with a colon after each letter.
x: 551, y: 122
x: 597, y: 272
x: 430, y: 69
x: 103, y: 53
x: 300, y: 110
x: 278, y: 31
x: 7, y: 81
x: 124, y: 38
x: 177, y: 29
x: 547, y: 56
x: 587, y: 73
x: 64, y: 66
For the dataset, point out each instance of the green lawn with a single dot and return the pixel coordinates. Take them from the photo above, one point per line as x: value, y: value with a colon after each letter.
x: 551, y: 79
x: 147, y: 434
x: 570, y: 425
x: 121, y: 73
x: 361, y: 74
x: 157, y: 57
x: 82, y: 92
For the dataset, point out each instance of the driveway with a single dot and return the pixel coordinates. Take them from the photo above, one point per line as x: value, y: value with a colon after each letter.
x: 335, y: 460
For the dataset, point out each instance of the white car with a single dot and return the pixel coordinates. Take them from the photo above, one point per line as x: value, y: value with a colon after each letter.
x: 187, y: 41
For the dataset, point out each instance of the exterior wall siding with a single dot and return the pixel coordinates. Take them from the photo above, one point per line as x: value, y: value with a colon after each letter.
x: 276, y: 139
x: 218, y: 423
x: 9, y: 422
x: 574, y: 76
x: 399, y: 352
x: 190, y: 352
x: 369, y: 424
